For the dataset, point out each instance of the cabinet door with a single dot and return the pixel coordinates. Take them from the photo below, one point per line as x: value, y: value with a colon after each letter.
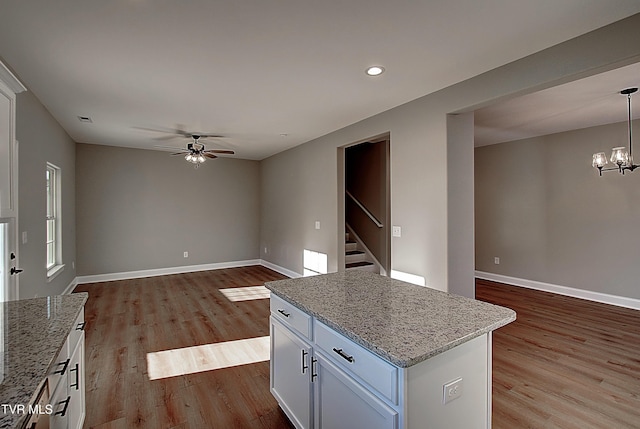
x: 75, y: 387
x: 291, y: 375
x: 343, y: 403
x: 60, y: 400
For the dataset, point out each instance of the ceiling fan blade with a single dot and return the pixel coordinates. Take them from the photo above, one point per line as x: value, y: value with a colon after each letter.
x: 227, y: 152
x: 180, y: 153
x: 169, y: 147
x: 209, y: 136
x: 167, y: 137
x: 209, y: 155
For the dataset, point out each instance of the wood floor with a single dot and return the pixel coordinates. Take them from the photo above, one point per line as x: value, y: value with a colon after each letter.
x: 565, y: 363
x: 128, y: 319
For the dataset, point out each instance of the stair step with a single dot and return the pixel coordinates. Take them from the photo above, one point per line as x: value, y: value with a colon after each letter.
x: 362, y: 266
x: 354, y: 256
x: 359, y: 264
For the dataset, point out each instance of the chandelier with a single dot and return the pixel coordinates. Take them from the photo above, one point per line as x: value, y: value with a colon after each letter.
x: 621, y: 156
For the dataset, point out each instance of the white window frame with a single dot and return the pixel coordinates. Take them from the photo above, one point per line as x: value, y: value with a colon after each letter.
x: 53, y: 213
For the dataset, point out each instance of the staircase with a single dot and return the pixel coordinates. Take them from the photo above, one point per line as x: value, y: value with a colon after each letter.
x: 356, y: 257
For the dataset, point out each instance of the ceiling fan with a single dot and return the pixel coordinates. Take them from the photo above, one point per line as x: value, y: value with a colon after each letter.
x: 195, y: 151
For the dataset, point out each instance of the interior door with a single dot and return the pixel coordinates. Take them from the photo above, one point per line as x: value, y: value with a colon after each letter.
x: 8, y: 260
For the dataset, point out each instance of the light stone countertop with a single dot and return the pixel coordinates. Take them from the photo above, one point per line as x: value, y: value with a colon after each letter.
x: 402, y: 323
x: 33, y: 332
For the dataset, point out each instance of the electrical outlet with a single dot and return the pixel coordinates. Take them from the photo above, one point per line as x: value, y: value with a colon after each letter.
x: 24, y: 237
x: 496, y: 260
x: 397, y: 231
x: 452, y: 390
x: 186, y: 254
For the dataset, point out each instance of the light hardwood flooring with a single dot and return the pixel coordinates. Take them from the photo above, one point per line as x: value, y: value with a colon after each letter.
x: 564, y: 363
x: 126, y: 320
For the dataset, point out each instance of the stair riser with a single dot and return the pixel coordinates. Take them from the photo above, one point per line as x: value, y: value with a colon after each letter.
x: 371, y: 268
x: 349, y: 259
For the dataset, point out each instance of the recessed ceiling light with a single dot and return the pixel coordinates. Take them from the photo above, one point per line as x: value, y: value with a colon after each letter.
x: 375, y: 70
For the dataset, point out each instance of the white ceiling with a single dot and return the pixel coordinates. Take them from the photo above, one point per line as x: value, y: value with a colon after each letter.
x: 588, y: 102
x: 254, y: 70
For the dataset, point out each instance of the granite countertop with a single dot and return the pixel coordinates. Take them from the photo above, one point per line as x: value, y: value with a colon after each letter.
x: 33, y: 333
x: 401, y: 322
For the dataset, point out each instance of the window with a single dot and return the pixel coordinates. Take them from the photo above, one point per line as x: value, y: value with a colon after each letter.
x: 54, y: 222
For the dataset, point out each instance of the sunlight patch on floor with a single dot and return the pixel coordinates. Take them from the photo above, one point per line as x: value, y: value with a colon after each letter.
x: 191, y: 360
x: 246, y: 293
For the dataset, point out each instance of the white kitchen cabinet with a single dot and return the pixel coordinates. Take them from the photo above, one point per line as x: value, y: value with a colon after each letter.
x: 314, y: 391
x: 75, y: 387
x: 324, y: 380
x: 342, y: 402
x: 66, y: 381
x: 291, y: 374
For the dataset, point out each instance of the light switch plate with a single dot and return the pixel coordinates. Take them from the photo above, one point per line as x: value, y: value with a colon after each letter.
x: 397, y: 231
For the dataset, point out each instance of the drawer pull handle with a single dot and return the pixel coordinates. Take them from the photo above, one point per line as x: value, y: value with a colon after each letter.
x: 284, y: 313
x: 304, y: 366
x: 77, y: 383
x: 343, y: 355
x: 64, y: 364
x: 314, y: 374
x: 64, y: 409
x: 80, y: 326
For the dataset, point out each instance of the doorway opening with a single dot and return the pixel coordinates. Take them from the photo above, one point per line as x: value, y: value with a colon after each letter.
x: 364, y: 205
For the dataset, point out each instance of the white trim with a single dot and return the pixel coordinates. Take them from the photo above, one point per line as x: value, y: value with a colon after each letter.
x: 279, y: 269
x: 619, y: 301
x: 71, y: 287
x: 11, y: 80
x: 54, y: 272
x: 97, y: 278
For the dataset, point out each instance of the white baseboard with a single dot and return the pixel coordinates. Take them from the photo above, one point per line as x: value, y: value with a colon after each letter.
x: 279, y: 269
x: 163, y: 271
x: 605, y: 298
x: 98, y: 278
x: 71, y: 287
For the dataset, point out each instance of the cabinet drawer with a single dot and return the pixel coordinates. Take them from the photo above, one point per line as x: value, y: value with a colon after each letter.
x: 76, y: 332
x: 372, y: 369
x: 291, y: 316
x: 59, y: 369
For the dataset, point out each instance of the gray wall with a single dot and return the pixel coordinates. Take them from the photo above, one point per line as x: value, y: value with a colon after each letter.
x: 300, y: 185
x: 41, y: 140
x: 542, y: 208
x: 140, y: 209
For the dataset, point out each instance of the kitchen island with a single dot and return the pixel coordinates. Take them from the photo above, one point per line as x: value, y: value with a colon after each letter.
x: 42, y: 342
x: 356, y: 349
